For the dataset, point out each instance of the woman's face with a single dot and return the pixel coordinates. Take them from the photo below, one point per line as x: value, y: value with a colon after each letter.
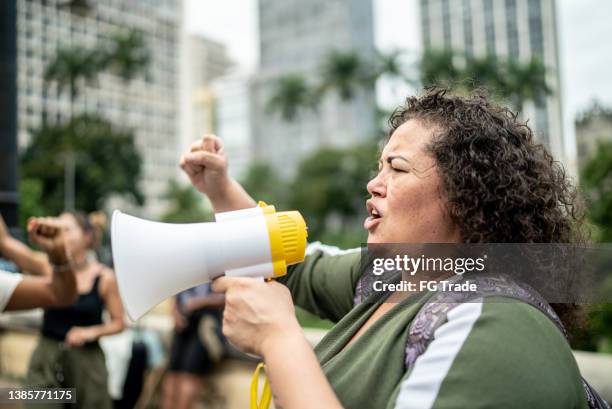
x: 407, y: 203
x: 77, y: 241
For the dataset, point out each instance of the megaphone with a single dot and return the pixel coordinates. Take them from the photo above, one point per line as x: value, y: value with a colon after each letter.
x: 154, y: 261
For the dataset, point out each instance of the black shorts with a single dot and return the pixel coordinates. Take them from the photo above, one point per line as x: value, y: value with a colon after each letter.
x: 188, y: 353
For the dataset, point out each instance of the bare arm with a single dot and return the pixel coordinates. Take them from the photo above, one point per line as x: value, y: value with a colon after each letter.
x: 289, y: 358
x: 206, y: 165
x: 42, y: 292
x: 34, y: 262
x: 57, y: 289
x: 259, y: 318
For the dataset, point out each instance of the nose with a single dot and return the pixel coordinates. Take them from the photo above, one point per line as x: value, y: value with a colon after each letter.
x: 377, y: 187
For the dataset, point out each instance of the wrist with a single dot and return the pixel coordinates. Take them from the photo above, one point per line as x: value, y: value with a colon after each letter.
x: 59, y: 256
x: 221, y: 192
x: 288, y: 337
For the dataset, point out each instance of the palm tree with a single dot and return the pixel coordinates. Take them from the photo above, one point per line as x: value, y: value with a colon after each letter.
x: 127, y: 57
x: 345, y: 72
x: 69, y: 67
x: 80, y: 7
x: 527, y: 82
x: 438, y: 68
x: 507, y: 79
x: 292, y: 94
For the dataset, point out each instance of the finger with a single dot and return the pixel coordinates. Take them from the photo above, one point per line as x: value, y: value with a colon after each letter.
x: 224, y: 284
x: 220, y: 285
x: 208, y: 160
x: 196, y: 146
x: 212, y: 143
x: 189, y: 169
x: 32, y: 224
x: 208, y: 144
x: 49, y: 228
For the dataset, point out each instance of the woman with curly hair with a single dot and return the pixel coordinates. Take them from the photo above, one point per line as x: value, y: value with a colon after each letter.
x: 455, y: 169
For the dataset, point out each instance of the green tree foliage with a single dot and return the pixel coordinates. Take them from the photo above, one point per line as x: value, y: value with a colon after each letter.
x: 596, y: 181
x: 263, y: 183
x: 505, y: 78
x: 186, y: 205
x: 107, y: 162
x: 346, y: 72
x: 127, y: 55
x: 30, y: 200
x: 342, y: 72
x: 330, y: 189
x: 72, y: 68
x: 291, y: 95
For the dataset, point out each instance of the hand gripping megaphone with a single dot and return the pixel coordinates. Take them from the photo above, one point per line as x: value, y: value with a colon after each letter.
x: 154, y: 261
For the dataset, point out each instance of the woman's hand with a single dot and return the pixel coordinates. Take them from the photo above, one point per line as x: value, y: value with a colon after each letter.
x: 206, y: 166
x: 78, y: 336
x: 257, y: 313
x: 48, y: 234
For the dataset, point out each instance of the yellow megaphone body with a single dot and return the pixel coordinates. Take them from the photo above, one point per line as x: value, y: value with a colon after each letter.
x: 154, y: 261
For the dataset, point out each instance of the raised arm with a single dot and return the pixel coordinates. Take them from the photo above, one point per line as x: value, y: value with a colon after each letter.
x: 34, y: 262
x: 206, y: 165
x: 55, y: 290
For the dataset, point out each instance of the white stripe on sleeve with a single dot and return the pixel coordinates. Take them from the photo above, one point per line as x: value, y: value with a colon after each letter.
x: 328, y: 250
x: 8, y: 282
x: 421, y: 388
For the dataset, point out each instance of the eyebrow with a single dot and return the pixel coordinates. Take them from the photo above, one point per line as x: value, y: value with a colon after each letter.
x: 392, y: 157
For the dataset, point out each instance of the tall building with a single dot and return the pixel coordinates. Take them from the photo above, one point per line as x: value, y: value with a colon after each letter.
x: 593, y: 127
x: 148, y: 104
x: 205, y: 61
x: 296, y: 37
x: 232, y: 113
x: 515, y: 29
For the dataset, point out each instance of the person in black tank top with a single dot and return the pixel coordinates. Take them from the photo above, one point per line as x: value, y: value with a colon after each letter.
x: 86, y: 312
x: 68, y: 354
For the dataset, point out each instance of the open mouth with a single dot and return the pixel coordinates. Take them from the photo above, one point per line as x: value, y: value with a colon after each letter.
x: 373, y: 218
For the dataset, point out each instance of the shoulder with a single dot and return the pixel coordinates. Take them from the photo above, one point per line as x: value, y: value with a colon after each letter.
x: 108, y: 281
x: 499, y: 353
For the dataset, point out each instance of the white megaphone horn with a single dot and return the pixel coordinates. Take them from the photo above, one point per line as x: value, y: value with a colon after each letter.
x: 154, y: 261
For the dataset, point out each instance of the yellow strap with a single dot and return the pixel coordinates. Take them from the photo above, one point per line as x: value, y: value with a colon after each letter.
x: 266, y: 394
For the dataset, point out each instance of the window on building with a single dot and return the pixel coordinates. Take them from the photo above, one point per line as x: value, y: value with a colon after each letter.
x: 512, y: 29
x: 536, y: 41
x: 468, y: 35
x: 425, y: 23
x: 489, y: 22
x: 446, y: 24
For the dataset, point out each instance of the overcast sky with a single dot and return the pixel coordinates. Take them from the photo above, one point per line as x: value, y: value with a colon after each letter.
x: 584, y: 25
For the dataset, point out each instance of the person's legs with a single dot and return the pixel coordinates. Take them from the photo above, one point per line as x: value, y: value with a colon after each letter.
x: 189, y: 388
x: 169, y: 390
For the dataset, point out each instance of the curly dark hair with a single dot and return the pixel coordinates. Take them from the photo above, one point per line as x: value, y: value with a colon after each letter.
x: 501, y: 185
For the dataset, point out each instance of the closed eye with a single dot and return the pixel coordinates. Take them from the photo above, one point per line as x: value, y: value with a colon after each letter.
x: 395, y: 168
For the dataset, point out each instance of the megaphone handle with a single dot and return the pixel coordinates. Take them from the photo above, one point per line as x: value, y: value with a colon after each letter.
x: 266, y: 394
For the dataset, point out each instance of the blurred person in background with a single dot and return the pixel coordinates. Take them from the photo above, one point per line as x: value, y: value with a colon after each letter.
x: 197, y: 345
x: 20, y: 293
x: 455, y: 169
x: 68, y: 354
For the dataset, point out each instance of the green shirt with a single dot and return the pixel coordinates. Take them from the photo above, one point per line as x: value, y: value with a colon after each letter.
x: 488, y: 355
